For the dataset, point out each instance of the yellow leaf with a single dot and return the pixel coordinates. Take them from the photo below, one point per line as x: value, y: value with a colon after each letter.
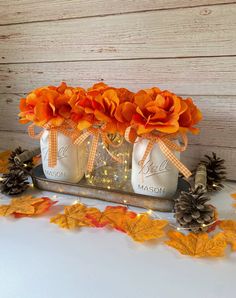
x: 75, y: 216
x: 142, y: 227
x: 229, y: 227
x: 4, y: 156
x: 197, y: 245
x: 23, y: 205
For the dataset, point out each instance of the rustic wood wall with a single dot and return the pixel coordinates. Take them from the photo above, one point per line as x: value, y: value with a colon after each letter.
x: 187, y: 46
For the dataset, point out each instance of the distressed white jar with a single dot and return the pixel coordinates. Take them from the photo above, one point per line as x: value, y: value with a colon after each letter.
x: 158, y: 176
x: 71, y: 159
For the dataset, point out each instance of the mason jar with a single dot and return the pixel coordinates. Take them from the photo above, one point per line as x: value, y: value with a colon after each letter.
x: 157, y: 176
x: 71, y: 159
x: 107, y: 171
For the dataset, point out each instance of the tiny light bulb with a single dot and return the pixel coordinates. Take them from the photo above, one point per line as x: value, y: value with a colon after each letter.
x: 125, y: 201
x: 178, y: 229
x: 149, y: 212
x: 203, y: 225
x: 108, y: 187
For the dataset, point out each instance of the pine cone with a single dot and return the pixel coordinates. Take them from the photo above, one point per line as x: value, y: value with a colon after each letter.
x: 14, y: 182
x: 13, y: 166
x: 192, y: 212
x: 216, y: 173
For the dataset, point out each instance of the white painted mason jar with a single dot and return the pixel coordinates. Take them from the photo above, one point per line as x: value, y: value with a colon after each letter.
x: 71, y: 159
x: 158, y: 177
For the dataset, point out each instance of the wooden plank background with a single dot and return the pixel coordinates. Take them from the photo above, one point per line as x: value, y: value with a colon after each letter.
x: 187, y: 46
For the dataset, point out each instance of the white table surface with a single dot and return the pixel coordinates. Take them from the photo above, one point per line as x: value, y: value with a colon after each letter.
x: 40, y: 260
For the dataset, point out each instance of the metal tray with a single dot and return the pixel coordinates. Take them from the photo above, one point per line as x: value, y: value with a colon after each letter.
x: 83, y: 190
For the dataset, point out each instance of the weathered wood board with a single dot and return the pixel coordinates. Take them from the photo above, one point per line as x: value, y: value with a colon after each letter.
x: 187, y: 46
x: 24, y: 11
x: 187, y: 32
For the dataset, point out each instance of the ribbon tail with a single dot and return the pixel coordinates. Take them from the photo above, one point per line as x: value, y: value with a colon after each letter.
x: 169, y: 154
x: 145, y: 155
x: 147, y: 152
x: 32, y: 134
x: 106, y: 140
x: 92, y: 153
x: 52, y: 148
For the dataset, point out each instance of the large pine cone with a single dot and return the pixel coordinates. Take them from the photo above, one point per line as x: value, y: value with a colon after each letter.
x: 192, y: 212
x: 14, y: 182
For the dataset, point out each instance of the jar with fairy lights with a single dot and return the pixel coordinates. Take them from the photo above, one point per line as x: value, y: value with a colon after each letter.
x: 112, y: 164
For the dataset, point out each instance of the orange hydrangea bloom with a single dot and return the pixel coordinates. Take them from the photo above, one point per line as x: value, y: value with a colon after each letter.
x: 102, y: 105
x: 157, y: 110
x: 46, y: 105
x: 82, y: 110
x: 191, y: 116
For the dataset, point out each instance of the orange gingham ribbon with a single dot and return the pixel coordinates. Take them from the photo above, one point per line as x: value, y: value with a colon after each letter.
x: 96, y: 133
x: 167, y: 146
x: 65, y: 128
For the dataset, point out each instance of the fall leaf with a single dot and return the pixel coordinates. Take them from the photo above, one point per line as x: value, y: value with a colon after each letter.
x: 74, y: 217
x: 142, y: 227
x: 229, y: 227
x: 4, y: 156
x: 114, y: 216
x: 197, y: 245
x: 97, y: 218
x: 117, y: 216
x: 39, y: 208
x: 233, y: 195
x: 26, y: 206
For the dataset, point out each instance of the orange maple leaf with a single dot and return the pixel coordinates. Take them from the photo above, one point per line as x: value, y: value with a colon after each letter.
x: 198, y: 245
x: 114, y: 216
x: 233, y: 195
x: 39, y: 207
x: 142, y: 228
x: 229, y: 227
x: 26, y: 206
x: 74, y: 217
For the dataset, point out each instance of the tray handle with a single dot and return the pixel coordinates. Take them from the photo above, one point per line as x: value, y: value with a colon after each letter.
x: 25, y: 156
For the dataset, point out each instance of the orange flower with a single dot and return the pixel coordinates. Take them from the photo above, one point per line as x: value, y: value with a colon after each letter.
x: 100, y: 106
x: 157, y: 110
x: 104, y: 108
x: 46, y: 105
x: 191, y: 116
x: 112, y: 108
x: 82, y: 110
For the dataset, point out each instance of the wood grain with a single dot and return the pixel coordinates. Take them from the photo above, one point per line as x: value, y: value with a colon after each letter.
x: 199, y: 31
x: 195, y: 153
x: 14, y: 11
x: 10, y: 140
x: 195, y: 76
